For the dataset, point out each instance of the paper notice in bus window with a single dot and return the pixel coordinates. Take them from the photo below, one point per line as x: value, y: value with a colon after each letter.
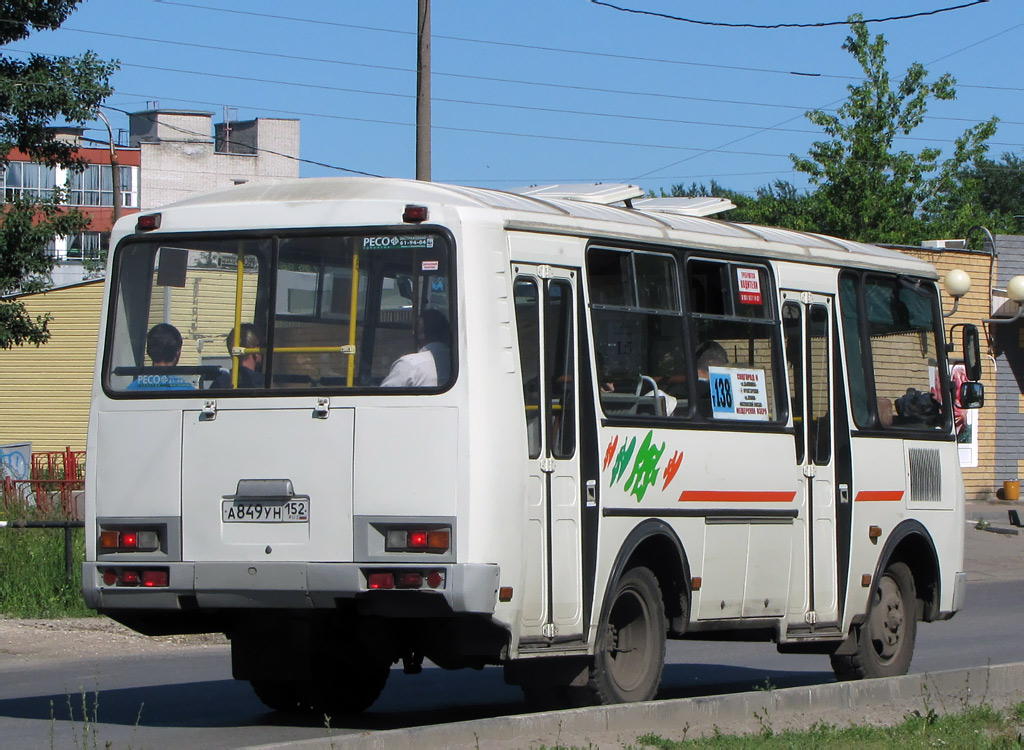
x: 738, y: 394
x: 429, y: 265
x: 749, y: 284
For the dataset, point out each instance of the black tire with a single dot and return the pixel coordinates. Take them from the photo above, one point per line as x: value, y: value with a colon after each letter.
x: 350, y: 686
x: 630, y: 650
x: 286, y: 696
x: 885, y: 641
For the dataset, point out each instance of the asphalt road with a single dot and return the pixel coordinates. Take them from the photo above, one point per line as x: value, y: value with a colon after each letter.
x: 187, y: 698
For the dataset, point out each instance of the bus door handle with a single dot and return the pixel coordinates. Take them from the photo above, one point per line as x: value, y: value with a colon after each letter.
x: 591, y: 493
x: 844, y: 494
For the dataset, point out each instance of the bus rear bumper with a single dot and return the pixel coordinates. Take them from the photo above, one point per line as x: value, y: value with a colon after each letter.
x: 465, y: 588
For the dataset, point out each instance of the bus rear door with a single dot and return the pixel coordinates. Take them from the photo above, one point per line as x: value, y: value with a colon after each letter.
x: 807, y: 320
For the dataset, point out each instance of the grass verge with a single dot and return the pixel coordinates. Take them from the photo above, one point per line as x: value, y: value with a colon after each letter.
x: 33, y: 582
x: 976, y: 727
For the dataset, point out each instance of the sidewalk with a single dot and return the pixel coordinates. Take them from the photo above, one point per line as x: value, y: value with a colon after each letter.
x: 991, y: 555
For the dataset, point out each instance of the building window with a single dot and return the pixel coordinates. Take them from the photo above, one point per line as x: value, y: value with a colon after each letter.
x: 94, y: 186
x: 88, y: 245
x: 22, y: 178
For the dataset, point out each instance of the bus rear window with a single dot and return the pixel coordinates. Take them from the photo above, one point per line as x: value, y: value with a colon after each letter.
x: 265, y: 314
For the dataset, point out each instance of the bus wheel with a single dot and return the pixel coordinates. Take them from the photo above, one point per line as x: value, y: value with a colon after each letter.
x: 885, y: 642
x: 351, y: 687
x: 630, y: 650
x: 286, y: 696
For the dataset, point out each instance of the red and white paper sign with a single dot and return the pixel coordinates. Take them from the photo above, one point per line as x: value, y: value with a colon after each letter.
x: 749, y: 283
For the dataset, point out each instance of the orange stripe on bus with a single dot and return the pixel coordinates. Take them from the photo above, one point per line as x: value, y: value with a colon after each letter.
x: 879, y: 496
x: 730, y: 496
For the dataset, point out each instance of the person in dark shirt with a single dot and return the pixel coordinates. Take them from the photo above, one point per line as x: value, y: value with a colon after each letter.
x: 250, y: 364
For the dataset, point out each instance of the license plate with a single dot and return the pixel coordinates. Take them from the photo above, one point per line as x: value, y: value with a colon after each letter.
x: 289, y: 511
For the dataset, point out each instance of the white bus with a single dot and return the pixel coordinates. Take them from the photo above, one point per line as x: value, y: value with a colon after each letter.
x: 619, y: 424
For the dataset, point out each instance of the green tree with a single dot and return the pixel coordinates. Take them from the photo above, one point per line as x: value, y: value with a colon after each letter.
x: 34, y: 93
x: 982, y: 191
x: 866, y: 189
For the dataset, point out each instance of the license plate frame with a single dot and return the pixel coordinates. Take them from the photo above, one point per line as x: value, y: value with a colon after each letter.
x: 295, y: 510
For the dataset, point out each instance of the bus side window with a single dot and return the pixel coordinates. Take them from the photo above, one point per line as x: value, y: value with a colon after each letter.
x: 735, y: 338
x: 527, y: 303
x: 638, y: 332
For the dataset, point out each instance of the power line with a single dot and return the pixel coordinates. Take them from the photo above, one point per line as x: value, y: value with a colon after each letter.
x: 784, y: 122
x: 186, y: 131
x: 466, y: 76
x: 528, y: 108
x: 552, y: 110
x: 813, y: 25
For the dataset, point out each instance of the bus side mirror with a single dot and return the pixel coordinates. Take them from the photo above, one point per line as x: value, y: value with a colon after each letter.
x: 972, y: 395
x: 972, y: 353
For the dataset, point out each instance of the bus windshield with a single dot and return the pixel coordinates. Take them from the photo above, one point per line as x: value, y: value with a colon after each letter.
x: 251, y: 313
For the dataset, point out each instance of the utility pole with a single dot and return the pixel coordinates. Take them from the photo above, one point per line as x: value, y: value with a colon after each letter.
x: 423, y: 92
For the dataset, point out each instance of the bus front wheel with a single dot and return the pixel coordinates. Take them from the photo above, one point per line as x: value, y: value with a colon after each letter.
x: 885, y: 641
x: 630, y: 650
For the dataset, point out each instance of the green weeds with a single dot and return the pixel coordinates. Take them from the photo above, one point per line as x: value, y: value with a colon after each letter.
x: 975, y: 727
x: 34, y: 582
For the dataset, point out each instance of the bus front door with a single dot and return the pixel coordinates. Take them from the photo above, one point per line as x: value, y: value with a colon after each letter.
x: 546, y: 317
x: 810, y: 351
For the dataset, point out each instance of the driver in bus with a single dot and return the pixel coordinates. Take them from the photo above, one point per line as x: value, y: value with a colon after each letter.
x: 163, y: 345
x: 430, y: 366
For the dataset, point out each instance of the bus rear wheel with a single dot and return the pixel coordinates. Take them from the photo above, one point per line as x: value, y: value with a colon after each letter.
x: 348, y: 685
x: 630, y: 650
x: 885, y: 641
x: 286, y: 696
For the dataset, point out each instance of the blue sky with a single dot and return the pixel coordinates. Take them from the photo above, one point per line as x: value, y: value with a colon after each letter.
x: 545, y: 91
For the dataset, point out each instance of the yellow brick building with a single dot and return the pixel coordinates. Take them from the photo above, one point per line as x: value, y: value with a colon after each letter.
x: 44, y: 391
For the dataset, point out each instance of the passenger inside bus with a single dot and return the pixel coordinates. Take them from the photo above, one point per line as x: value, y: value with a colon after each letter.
x: 250, y: 365
x: 163, y: 345
x: 709, y: 354
x: 430, y: 365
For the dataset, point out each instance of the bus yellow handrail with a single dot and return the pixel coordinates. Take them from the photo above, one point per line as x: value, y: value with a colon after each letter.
x: 353, y: 310
x: 348, y: 349
x: 239, y: 278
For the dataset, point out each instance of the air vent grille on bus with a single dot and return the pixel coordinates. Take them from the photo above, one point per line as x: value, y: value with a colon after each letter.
x: 925, y: 475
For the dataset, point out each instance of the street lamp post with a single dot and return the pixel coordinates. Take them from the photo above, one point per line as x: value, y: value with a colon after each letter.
x: 115, y: 167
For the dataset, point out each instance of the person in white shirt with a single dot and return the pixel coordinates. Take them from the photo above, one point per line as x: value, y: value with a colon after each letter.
x: 431, y: 365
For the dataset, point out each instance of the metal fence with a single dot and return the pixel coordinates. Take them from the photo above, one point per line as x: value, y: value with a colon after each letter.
x: 51, y: 498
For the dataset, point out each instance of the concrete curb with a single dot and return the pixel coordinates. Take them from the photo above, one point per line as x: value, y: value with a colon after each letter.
x: 944, y: 691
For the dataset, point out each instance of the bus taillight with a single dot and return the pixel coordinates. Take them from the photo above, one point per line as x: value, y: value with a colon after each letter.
x: 418, y: 540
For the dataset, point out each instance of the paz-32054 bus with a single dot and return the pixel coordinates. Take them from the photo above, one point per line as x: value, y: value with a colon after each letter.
x: 356, y: 422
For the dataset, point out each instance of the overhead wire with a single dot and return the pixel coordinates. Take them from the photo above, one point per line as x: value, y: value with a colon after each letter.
x: 435, y: 72
x: 264, y: 150
x: 808, y: 25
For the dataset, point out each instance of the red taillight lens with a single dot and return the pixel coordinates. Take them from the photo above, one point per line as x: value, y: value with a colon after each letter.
x: 155, y: 578
x: 418, y: 539
x: 380, y: 581
x: 147, y: 223
x: 109, y: 577
x: 129, y: 540
x: 435, y: 579
x: 410, y: 580
x: 129, y: 578
x: 414, y: 214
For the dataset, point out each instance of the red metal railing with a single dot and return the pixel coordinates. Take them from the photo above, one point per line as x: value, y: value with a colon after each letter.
x: 56, y: 480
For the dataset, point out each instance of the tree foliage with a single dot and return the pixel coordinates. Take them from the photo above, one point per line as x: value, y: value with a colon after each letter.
x: 34, y: 94
x: 28, y: 226
x: 864, y: 187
